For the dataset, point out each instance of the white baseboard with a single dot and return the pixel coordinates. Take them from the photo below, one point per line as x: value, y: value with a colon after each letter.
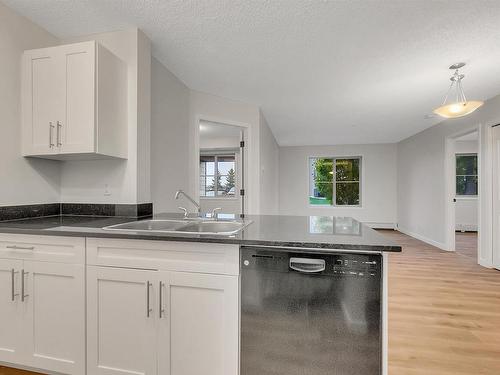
x: 429, y: 241
x: 376, y: 225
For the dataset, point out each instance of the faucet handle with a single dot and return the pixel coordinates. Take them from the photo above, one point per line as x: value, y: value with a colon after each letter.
x: 214, y: 212
x: 185, y: 211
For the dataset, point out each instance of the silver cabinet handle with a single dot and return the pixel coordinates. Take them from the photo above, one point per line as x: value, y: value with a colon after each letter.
x: 15, y: 247
x: 161, y: 309
x: 23, y: 274
x: 13, y: 281
x: 307, y: 265
x: 59, y: 129
x: 51, y: 130
x: 148, y: 308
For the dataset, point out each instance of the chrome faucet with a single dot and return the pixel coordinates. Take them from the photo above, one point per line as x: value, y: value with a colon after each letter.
x: 196, y: 204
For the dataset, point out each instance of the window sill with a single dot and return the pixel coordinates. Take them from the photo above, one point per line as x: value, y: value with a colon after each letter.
x: 466, y: 197
x: 219, y: 198
x: 330, y: 206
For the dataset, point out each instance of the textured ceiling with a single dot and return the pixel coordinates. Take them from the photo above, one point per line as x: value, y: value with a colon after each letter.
x: 323, y: 72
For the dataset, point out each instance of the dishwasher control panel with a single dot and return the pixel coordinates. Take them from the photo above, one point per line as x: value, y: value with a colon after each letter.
x: 332, y: 264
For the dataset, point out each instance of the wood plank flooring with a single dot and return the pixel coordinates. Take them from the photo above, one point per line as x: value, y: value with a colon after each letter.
x: 444, y: 311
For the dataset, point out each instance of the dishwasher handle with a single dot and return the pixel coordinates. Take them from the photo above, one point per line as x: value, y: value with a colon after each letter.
x: 307, y: 265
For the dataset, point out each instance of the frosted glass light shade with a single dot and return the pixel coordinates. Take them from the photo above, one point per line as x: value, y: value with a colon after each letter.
x: 459, y: 109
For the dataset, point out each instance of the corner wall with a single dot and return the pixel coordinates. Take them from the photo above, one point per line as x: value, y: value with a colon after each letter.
x: 115, y: 180
x: 269, y: 170
x: 23, y: 180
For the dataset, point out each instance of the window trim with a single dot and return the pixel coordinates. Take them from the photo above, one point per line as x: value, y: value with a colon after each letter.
x: 216, y: 155
x: 462, y: 196
x: 334, y: 181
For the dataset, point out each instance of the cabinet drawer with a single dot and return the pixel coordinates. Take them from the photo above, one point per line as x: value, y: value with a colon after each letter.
x: 164, y: 255
x: 43, y: 248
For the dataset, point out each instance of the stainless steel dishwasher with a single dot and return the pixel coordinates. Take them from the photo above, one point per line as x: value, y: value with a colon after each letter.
x: 310, y: 313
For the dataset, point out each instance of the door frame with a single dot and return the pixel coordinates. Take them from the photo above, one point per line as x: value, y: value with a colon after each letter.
x: 485, y: 185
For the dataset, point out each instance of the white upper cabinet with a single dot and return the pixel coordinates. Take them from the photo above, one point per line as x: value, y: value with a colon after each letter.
x: 74, y: 102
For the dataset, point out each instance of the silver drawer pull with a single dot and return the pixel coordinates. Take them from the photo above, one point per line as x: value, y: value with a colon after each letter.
x: 51, y: 130
x: 148, y: 297
x: 161, y: 311
x: 15, y: 247
x: 58, y: 137
x: 307, y: 265
x: 23, y: 274
x: 13, y: 283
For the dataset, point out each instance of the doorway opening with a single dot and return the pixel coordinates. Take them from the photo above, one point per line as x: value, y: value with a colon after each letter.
x: 466, y: 194
x: 221, y: 168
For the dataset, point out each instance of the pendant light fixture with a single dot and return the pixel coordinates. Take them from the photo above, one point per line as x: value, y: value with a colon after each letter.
x: 460, y: 106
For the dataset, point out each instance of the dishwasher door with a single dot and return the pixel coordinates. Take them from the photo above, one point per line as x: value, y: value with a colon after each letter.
x: 310, y: 314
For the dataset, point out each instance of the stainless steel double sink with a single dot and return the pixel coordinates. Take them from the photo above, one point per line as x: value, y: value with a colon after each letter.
x: 184, y: 226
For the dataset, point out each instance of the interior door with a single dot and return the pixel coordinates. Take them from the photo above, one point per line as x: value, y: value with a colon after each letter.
x: 75, y: 130
x: 11, y: 314
x: 55, y: 316
x: 121, y: 321
x: 496, y: 196
x: 42, y: 99
x: 199, y: 327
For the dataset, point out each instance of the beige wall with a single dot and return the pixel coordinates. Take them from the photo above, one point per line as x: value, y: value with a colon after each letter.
x: 269, y: 170
x: 23, y: 180
x: 169, y: 137
x: 378, y: 182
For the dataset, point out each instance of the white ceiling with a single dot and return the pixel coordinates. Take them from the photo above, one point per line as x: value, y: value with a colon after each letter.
x: 215, y: 130
x: 323, y: 72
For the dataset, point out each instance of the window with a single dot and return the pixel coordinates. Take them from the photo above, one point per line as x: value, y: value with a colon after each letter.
x: 334, y: 181
x: 218, y: 176
x: 466, y: 170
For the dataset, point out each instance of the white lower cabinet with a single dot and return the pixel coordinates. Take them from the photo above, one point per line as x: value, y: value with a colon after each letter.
x: 121, y: 321
x: 11, y: 313
x: 170, y: 323
x: 42, y: 304
x: 55, y: 316
x: 198, y: 328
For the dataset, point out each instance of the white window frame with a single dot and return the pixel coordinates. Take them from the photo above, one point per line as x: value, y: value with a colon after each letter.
x: 334, y: 181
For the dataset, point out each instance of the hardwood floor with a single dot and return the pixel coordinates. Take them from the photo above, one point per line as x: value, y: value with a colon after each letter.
x: 466, y: 244
x: 444, y: 311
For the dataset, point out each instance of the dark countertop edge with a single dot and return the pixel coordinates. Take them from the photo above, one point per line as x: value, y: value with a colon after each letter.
x: 207, y: 239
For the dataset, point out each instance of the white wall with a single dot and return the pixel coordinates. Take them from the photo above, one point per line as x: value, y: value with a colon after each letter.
x: 466, y: 208
x: 23, y: 180
x: 269, y: 170
x: 421, y: 178
x: 118, y: 181
x: 378, y: 182
x: 169, y: 138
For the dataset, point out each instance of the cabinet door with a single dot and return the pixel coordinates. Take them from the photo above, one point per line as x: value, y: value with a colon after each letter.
x: 11, y: 314
x: 75, y: 132
x: 42, y: 98
x: 121, y: 318
x: 55, y: 316
x: 199, y: 328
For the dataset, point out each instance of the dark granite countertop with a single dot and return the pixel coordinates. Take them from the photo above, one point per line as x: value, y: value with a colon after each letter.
x: 312, y: 232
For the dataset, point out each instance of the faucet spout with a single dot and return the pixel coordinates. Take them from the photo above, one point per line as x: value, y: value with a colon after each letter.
x: 183, y: 193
